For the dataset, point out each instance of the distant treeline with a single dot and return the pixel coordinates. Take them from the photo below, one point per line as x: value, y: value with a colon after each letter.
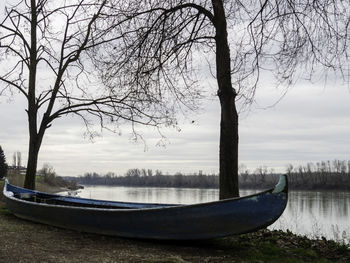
x: 136, y: 177
x: 325, y: 175
x: 328, y: 175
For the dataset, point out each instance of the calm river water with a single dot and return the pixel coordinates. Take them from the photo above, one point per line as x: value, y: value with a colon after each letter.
x: 314, y: 214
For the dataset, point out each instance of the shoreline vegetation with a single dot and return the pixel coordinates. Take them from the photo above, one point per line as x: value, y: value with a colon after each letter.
x: 328, y: 175
x: 49, y: 183
x: 42, y: 243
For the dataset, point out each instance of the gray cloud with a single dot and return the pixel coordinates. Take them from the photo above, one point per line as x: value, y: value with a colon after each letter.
x: 309, y: 124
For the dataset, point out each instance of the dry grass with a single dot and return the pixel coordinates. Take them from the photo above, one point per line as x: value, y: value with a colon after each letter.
x: 18, y: 180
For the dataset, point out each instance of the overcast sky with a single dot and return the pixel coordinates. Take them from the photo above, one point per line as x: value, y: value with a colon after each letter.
x: 310, y: 124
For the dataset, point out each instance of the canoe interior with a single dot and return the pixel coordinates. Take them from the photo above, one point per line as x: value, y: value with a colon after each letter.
x: 40, y: 197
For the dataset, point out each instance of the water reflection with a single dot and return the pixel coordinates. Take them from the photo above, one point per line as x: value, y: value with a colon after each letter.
x: 151, y: 195
x: 317, y: 214
x: 314, y: 214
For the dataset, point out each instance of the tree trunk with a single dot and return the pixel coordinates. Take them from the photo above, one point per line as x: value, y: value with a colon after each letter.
x: 34, y: 146
x: 34, y: 138
x: 228, y: 147
x: 229, y: 116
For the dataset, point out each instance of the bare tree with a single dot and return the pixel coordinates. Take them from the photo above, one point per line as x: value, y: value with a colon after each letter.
x: 290, y: 39
x: 47, y: 170
x: 14, y: 159
x: 19, y: 159
x: 43, y: 45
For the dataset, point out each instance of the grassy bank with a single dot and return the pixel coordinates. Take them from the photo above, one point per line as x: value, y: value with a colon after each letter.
x: 44, y: 184
x: 24, y: 241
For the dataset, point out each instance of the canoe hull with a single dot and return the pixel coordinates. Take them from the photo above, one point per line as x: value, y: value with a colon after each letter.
x: 182, y: 222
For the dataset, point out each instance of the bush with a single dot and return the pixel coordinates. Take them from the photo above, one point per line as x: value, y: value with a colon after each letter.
x: 49, y: 177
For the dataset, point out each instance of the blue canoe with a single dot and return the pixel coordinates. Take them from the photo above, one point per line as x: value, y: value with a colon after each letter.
x: 148, y: 220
